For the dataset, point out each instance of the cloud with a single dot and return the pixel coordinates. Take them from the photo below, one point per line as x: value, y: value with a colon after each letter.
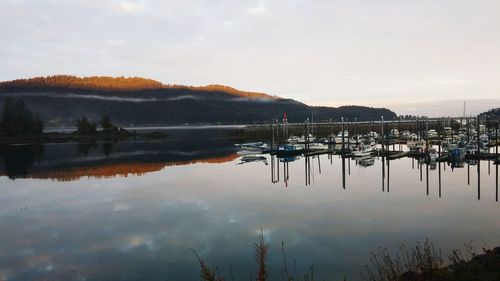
x: 131, y: 7
x: 116, y: 42
x: 321, y: 52
x: 261, y: 8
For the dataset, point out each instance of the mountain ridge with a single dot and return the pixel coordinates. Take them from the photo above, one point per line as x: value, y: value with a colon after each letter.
x: 111, y: 84
x: 60, y: 99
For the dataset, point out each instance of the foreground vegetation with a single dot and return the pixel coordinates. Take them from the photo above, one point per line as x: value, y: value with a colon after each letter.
x: 421, y: 263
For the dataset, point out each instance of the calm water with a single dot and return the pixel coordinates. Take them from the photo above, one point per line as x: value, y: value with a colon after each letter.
x: 131, y: 210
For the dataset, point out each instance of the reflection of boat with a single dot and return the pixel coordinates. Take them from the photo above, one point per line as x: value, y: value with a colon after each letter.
x: 470, y: 148
x: 471, y: 162
x: 248, y: 152
x: 456, y: 154
x: 252, y: 145
x: 366, y: 162
x: 457, y: 164
x: 433, y: 165
x: 432, y: 154
x: 253, y: 158
x: 289, y: 159
x: 289, y: 150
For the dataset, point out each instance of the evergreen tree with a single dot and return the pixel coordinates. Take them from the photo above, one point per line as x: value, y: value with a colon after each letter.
x: 84, y: 126
x: 106, y: 124
x: 17, y: 119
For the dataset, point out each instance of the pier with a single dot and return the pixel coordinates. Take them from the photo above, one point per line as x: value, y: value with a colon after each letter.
x: 433, y: 139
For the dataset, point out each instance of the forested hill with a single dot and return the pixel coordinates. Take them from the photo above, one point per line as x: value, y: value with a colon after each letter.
x: 59, y: 100
x: 492, y: 114
x: 120, y: 85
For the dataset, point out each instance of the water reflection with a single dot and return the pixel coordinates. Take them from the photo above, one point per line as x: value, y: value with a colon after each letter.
x: 71, y: 161
x: 424, y: 167
x: 331, y: 214
x: 18, y: 159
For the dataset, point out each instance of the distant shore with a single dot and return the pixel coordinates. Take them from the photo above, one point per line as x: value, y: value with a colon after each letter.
x: 61, y: 137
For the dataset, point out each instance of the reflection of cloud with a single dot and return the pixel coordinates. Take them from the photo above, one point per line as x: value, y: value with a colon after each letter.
x: 324, y: 224
x: 3, y: 275
x: 121, y: 207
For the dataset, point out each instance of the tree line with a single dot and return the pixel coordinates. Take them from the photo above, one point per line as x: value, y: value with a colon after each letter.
x: 124, y: 84
x: 86, y: 126
x: 17, y: 119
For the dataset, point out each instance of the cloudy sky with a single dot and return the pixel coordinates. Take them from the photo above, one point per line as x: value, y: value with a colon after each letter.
x: 320, y: 52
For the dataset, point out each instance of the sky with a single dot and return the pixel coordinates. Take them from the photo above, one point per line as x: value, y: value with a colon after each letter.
x: 402, y: 53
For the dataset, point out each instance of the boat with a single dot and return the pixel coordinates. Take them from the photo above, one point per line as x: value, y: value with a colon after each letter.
x: 289, y: 150
x: 363, y: 151
x: 432, y: 134
x: 470, y: 149
x: 394, y: 134
x: 317, y: 146
x: 338, y: 138
x: 456, y: 154
x: 301, y: 139
x: 416, y: 145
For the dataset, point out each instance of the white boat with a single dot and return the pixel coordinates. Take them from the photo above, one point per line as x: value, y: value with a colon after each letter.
x: 317, y: 146
x: 394, y: 133
x: 416, y: 145
x: 447, y: 131
x: 363, y: 151
x: 373, y: 135
x: 301, y: 139
x: 432, y: 134
x: 338, y: 138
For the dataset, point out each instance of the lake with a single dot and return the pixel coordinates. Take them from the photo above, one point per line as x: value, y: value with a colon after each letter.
x: 132, y: 210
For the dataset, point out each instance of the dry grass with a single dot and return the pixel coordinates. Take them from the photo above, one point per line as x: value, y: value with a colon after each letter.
x: 422, y: 260
x: 207, y: 274
x: 261, y: 249
x: 421, y: 263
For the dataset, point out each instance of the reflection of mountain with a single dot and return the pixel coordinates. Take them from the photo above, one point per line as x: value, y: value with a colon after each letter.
x: 60, y: 99
x: 71, y: 161
x: 19, y: 158
x: 119, y: 170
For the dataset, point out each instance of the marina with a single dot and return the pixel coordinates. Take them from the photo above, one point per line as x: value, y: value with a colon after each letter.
x: 432, y: 139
